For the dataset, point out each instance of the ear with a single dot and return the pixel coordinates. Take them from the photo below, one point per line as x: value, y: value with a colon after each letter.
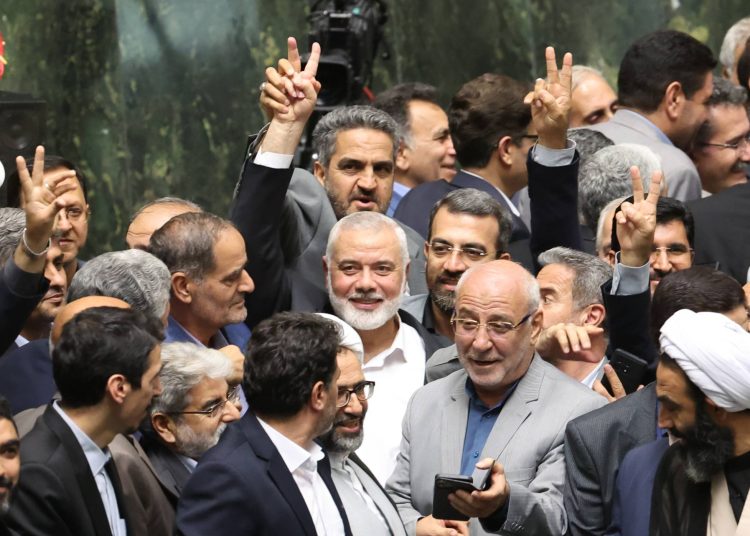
x: 536, y: 326
x: 182, y: 287
x: 118, y: 388
x: 674, y: 100
x: 164, y: 426
x: 402, y: 157
x: 426, y: 249
x: 505, y: 256
x: 325, y: 269
x: 611, y: 257
x: 319, y: 173
x: 318, y: 397
x: 594, y: 314
x: 504, y: 149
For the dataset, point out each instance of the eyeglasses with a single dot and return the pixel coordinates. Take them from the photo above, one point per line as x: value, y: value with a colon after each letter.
x: 440, y: 250
x: 363, y: 391
x: 467, y: 327
x: 673, y: 252
x: 743, y: 142
x: 213, y: 411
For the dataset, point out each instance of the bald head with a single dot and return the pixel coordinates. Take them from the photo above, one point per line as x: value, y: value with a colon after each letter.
x: 75, y: 307
x: 501, y: 277
x: 152, y: 217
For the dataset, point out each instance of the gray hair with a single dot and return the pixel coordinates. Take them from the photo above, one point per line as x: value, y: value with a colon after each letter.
x: 581, y: 73
x: 725, y: 93
x: 590, y: 273
x: 12, y: 222
x: 167, y: 201
x: 186, y: 243
x: 606, y: 175
x: 133, y: 275
x: 588, y: 142
x: 372, y: 222
x: 183, y: 366
x: 476, y: 203
x: 603, y: 216
x: 738, y: 33
x: 348, y: 118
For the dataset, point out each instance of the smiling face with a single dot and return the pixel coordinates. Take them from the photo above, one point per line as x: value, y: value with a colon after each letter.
x: 496, y: 292
x: 366, y: 277
x: 348, y: 426
x: 359, y: 176
x: 430, y: 154
x: 671, y: 235
x: 722, y: 167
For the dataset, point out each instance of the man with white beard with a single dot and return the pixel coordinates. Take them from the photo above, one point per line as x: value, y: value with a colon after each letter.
x: 189, y: 416
x: 366, y: 263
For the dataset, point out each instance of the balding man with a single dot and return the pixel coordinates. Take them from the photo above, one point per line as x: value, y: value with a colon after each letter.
x: 153, y: 216
x: 592, y: 99
x: 452, y: 425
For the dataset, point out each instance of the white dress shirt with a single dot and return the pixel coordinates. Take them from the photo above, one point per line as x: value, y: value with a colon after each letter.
x: 97, y: 458
x: 397, y: 372
x: 303, y: 464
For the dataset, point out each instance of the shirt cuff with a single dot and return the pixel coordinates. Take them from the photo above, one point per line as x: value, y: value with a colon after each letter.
x: 23, y: 283
x: 627, y: 280
x: 554, y: 157
x: 273, y: 160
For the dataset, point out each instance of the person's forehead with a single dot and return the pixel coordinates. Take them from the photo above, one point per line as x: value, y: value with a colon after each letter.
x: 728, y: 121
x: 670, y: 381
x: 154, y: 217
x: 207, y: 389
x: 426, y: 115
x: 7, y: 431
x: 466, y: 227
x: 350, y: 367
x: 229, y: 248
x: 556, y: 275
x: 363, y: 142
x: 670, y: 232
x: 369, y: 245
x: 491, y: 289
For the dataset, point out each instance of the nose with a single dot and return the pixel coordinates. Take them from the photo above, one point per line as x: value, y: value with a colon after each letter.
x: 366, y: 179
x: 62, y: 223
x: 231, y: 411
x: 744, y: 150
x: 482, y: 341
x: 246, y: 283
x: 449, y: 146
x: 365, y: 282
x: 55, y: 277
x: 354, y: 406
x: 665, y: 419
x: 660, y: 261
x: 455, y: 262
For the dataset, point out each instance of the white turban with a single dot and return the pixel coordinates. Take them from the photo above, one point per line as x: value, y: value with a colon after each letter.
x: 349, y: 337
x: 714, y: 352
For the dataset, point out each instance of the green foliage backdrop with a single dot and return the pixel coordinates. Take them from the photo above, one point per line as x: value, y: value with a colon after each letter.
x: 156, y: 97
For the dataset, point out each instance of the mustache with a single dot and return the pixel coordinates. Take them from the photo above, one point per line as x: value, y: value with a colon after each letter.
x: 372, y: 295
x: 6, y: 482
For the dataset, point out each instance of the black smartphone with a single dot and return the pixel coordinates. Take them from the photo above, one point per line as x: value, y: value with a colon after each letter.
x: 447, y: 484
x: 630, y: 368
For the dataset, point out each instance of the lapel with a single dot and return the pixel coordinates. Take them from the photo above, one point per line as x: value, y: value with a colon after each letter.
x: 80, y: 466
x: 114, y: 476
x: 453, y: 425
x: 324, y: 470
x: 168, y: 469
x: 277, y: 470
x: 641, y: 426
x: 378, y: 495
x: 516, y: 410
x: 721, y: 521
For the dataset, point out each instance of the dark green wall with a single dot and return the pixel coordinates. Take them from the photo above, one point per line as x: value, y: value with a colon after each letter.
x: 155, y: 97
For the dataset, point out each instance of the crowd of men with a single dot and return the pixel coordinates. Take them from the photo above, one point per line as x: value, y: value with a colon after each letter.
x: 535, y: 299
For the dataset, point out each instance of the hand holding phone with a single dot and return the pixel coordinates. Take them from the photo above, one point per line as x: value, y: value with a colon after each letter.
x: 480, y: 480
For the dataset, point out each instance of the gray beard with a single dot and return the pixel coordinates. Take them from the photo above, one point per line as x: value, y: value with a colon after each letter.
x: 335, y: 442
x: 192, y: 445
x: 445, y: 300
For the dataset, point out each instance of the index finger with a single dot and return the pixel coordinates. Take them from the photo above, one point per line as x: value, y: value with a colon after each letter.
x: 312, y: 62
x: 635, y: 175
x: 292, y: 54
x: 553, y: 76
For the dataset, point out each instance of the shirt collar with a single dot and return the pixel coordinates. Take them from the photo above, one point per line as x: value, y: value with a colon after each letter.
x: 475, y: 400
x: 294, y: 456
x: 95, y: 456
x: 177, y: 333
x: 396, y: 349
x: 21, y: 341
x: 189, y: 463
x: 400, y: 189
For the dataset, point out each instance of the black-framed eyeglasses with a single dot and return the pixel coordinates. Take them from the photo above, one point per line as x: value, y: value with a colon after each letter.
x: 441, y: 249
x: 214, y: 410
x: 742, y: 142
x: 468, y: 327
x: 363, y: 391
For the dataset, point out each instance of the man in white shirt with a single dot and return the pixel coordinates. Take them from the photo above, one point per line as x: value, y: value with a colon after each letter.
x: 266, y: 475
x: 106, y: 367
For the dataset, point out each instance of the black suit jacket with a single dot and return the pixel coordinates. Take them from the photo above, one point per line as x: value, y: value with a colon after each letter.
x: 172, y: 473
x: 20, y: 293
x: 628, y: 319
x: 553, y: 194
x: 56, y: 493
x: 26, y: 376
x: 595, y: 444
x: 242, y: 486
x: 722, y: 232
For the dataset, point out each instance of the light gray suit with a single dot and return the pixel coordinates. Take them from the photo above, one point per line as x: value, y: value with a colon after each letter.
x: 527, y: 439
x: 683, y: 182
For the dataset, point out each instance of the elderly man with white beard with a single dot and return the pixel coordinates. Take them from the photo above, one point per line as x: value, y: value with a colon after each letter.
x: 366, y: 263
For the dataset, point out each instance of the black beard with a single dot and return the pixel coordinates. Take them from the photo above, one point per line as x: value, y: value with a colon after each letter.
x: 445, y: 300
x: 706, y: 447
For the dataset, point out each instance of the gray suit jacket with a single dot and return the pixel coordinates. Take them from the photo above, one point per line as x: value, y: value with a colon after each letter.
x: 442, y: 363
x: 595, y: 444
x: 527, y: 439
x: 682, y: 178
x: 377, y: 494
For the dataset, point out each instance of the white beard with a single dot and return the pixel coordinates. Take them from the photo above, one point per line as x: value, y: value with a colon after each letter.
x: 364, y: 320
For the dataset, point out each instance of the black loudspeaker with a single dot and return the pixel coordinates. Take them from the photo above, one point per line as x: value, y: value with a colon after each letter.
x: 22, y: 127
